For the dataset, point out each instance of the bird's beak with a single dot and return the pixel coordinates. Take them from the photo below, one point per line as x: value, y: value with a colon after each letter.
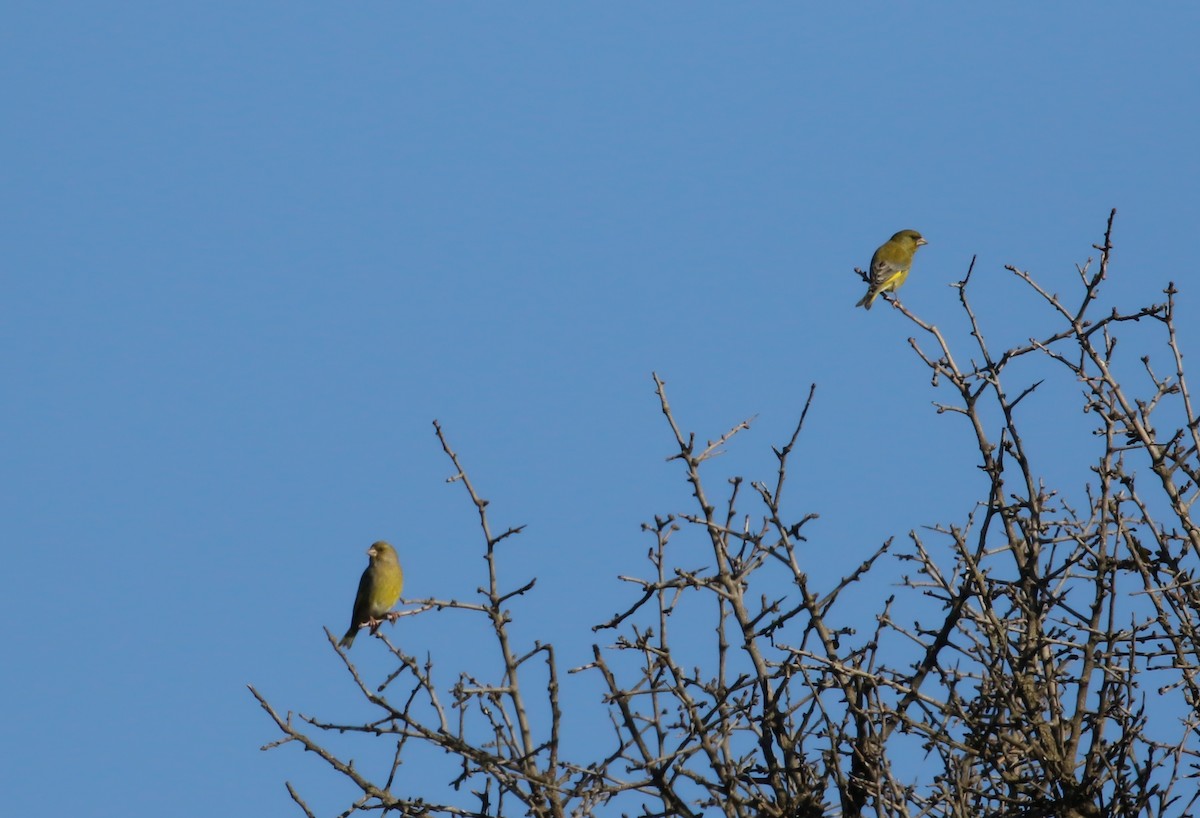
x: 371, y: 552
x: 921, y: 241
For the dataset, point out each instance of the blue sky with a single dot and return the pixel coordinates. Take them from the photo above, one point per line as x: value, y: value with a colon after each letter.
x: 252, y: 250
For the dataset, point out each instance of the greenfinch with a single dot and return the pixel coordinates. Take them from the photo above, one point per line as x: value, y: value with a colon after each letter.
x: 378, y: 590
x: 891, y: 263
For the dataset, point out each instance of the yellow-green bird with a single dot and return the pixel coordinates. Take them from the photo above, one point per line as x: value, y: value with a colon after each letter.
x: 378, y: 590
x: 890, y: 264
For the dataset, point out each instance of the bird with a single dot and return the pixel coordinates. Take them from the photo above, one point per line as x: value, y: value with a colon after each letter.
x: 378, y: 590
x: 891, y: 263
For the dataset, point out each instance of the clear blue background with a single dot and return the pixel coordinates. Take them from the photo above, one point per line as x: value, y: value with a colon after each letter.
x: 252, y: 250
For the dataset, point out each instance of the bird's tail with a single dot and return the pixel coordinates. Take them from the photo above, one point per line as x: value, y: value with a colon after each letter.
x: 867, y: 300
x: 348, y: 639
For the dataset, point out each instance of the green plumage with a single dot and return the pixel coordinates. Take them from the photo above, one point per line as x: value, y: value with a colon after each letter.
x: 890, y: 264
x: 378, y: 590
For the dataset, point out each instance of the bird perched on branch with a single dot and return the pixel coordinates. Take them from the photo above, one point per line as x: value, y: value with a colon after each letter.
x: 378, y: 591
x: 890, y: 264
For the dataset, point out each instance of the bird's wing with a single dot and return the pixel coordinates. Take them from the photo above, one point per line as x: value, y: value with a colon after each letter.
x: 882, y: 270
x: 362, y: 600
